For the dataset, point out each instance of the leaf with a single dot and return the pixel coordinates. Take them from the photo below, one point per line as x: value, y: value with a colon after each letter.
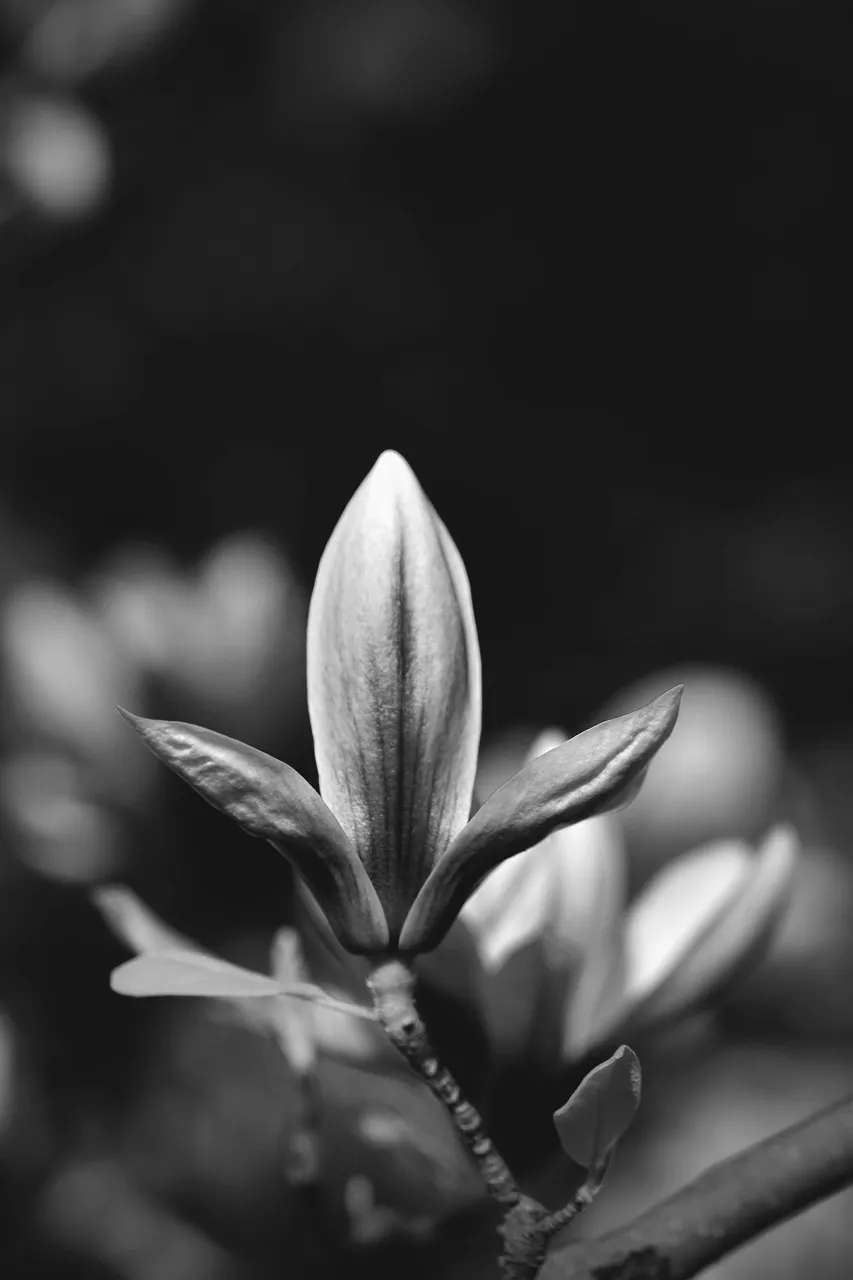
x: 287, y: 961
x: 192, y: 973
x: 600, y: 1110
x: 590, y: 774
x: 271, y: 801
x: 188, y: 973
x: 394, y: 682
x: 135, y: 924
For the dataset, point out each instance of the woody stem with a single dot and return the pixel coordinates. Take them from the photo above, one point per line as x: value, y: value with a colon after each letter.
x: 392, y: 985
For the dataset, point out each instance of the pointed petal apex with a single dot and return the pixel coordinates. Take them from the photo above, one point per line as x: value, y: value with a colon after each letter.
x: 394, y: 682
x: 590, y: 774
x: 273, y: 802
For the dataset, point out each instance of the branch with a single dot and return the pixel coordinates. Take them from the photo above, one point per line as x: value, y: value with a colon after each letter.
x: 724, y: 1207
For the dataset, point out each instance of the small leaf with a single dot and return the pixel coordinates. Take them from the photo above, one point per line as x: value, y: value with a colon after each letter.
x: 271, y: 801
x: 188, y: 973
x: 590, y: 774
x: 193, y: 973
x: 600, y: 1110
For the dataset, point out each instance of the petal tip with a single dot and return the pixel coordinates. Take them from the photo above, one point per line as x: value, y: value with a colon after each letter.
x: 391, y: 477
x: 139, y: 723
x: 391, y: 464
x: 670, y: 701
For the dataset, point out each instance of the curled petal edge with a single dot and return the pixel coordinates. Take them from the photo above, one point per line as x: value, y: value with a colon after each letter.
x: 592, y: 773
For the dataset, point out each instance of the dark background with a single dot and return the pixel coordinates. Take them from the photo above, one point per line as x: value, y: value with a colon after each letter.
x: 587, y: 269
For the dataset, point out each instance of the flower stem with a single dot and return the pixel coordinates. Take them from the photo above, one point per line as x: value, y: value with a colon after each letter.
x: 392, y: 985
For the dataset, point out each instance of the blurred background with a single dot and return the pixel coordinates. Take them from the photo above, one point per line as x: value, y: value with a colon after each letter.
x: 585, y: 270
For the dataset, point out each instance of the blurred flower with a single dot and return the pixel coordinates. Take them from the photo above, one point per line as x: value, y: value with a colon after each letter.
x: 300, y: 1016
x: 64, y: 672
x: 384, y: 56
x: 394, y: 700
x: 230, y: 637
x: 553, y: 931
x: 69, y: 40
x: 540, y: 918
x: 356, y: 1110
x: 66, y: 771
x: 63, y: 833
x: 56, y: 154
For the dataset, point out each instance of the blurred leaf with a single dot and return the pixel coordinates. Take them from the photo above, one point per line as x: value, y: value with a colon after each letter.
x: 600, y: 1110
x: 69, y: 40
x: 188, y: 973
x: 135, y: 924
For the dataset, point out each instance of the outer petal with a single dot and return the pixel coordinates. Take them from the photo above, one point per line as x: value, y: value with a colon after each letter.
x: 272, y: 801
x: 394, y: 682
x: 590, y: 774
x: 566, y: 891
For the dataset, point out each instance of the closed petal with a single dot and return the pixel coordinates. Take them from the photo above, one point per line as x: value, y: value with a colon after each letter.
x: 394, y: 682
x: 733, y: 940
x: 590, y: 774
x: 273, y: 802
